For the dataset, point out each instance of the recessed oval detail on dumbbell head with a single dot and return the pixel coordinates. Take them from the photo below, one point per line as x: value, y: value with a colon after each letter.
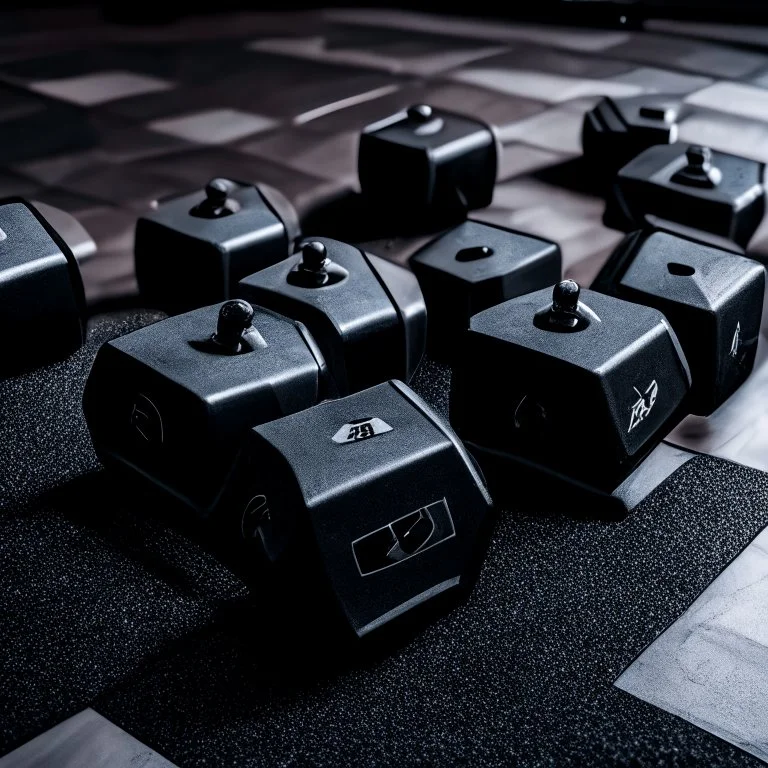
x: 682, y: 270
x: 474, y: 253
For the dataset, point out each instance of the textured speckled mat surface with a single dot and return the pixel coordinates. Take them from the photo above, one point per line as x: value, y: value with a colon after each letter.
x: 103, y: 607
x: 100, y: 606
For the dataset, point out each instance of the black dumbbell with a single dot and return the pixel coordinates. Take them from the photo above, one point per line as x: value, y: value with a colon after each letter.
x: 372, y: 495
x: 475, y: 266
x: 192, y: 250
x: 692, y: 191
x: 617, y: 130
x: 366, y: 314
x: 712, y: 298
x: 574, y: 384
x: 42, y: 303
x: 171, y: 401
x: 427, y: 164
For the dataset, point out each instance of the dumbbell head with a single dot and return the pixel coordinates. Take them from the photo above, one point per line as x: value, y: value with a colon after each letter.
x: 617, y: 130
x: 425, y: 162
x: 171, y: 401
x: 192, y: 250
x: 371, y: 495
x: 475, y: 266
x: 366, y: 314
x: 692, y: 191
x: 712, y: 298
x: 42, y: 303
x: 578, y: 383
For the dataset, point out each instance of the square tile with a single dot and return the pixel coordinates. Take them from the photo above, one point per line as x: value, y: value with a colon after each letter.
x: 542, y: 86
x: 550, y: 36
x: 489, y: 106
x: 655, y: 80
x: 689, y: 55
x: 32, y: 127
x: 396, y: 52
x: 530, y: 57
x: 736, y: 135
x: 529, y: 192
x: 711, y: 665
x: 82, y: 58
x: 100, y: 88
x: 54, y: 169
x: 278, y: 87
x: 332, y: 157
x: 127, y: 185
x: 519, y: 159
x: 213, y: 126
x: 557, y: 129
x: 733, y: 98
x: 740, y: 34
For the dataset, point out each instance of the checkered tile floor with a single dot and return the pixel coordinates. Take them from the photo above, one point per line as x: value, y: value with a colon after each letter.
x: 100, y: 119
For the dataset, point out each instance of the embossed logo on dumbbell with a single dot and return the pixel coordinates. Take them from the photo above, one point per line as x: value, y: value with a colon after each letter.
x: 643, y: 405
x: 255, y: 514
x: 736, y: 343
x: 146, y: 420
x: 361, y: 429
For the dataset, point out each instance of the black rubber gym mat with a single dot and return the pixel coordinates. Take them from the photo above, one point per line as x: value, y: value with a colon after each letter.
x: 104, y: 607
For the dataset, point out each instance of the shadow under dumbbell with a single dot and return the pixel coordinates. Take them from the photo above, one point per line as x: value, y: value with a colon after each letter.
x: 515, y: 482
x: 575, y: 175
x: 281, y: 624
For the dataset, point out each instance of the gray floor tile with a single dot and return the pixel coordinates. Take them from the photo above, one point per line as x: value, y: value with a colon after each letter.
x: 727, y: 133
x: 398, y: 55
x: 542, y: 86
x: 519, y: 159
x: 101, y: 87
x: 655, y: 80
x: 558, y: 37
x: 688, y: 55
x: 213, y: 126
x: 734, y: 98
x: 557, y: 129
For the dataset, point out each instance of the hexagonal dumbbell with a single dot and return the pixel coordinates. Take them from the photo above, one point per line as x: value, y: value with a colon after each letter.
x: 42, y: 303
x: 576, y: 384
x: 475, y: 266
x: 617, y: 130
x: 372, y: 495
x: 692, y: 191
x: 192, y: 250
x: 712, y: 298
x: 171, y: 401
x: 366, y: 314
x: 425, y: 162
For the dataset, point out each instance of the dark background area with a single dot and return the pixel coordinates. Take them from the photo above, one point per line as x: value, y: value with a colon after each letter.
x: 601, y: 13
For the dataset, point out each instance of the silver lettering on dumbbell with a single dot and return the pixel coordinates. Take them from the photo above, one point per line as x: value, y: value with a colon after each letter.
x: 146, y: 420
x: 361, y: 429
x: 736, y: 343
x: 642, y: 406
